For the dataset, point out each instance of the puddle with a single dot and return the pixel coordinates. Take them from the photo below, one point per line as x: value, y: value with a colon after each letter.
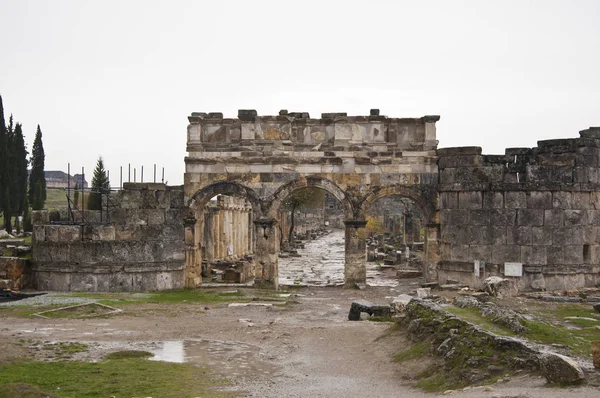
x: 226, y: 358
x: 322, y: 264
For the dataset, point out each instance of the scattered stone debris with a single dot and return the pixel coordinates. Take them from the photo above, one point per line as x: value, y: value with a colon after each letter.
x: 498, y: 287
x: 360, y: 306
x: 560, y: 369
x: 400, y: 302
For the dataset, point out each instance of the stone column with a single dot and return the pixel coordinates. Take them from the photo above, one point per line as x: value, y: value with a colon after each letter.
x: 266, y: 250
x: 355, y: 269
x: 193, y: 266
x: 209, y: 249
x: 431, y: 255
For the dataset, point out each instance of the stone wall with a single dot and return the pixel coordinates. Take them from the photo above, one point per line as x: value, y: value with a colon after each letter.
x: 140, y: 248
x: 14, y: 273
x: 539, y: 207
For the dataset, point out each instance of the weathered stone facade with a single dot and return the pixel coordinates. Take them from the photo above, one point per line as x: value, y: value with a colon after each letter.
x: 266, y: 158
x: 539, y: 207
x: 532, y: 214
x: 140, y: 248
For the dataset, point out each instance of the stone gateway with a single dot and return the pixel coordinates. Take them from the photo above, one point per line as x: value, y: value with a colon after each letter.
x: 537, y: 209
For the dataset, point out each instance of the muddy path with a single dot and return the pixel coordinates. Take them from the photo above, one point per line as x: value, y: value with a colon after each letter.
x: 305, y: 348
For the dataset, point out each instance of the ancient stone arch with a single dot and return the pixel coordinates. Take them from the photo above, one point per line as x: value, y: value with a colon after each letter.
x: 357, y: 159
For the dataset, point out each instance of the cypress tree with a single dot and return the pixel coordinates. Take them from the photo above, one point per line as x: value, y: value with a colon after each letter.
x: 27, y: 222
x: 100, y: 183
x: 37, y: 180
x: 8, y: 200
x: 3, y: 157
x: 19, y: 170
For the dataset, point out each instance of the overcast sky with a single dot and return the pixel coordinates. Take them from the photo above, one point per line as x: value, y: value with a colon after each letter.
x: 118, y: 78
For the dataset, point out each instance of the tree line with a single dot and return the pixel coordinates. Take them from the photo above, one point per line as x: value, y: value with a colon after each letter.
x: 18, y: 191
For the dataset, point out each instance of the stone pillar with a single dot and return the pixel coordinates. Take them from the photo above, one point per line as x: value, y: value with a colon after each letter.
x: 266, y: 249
x: 209, y: 252
x: 193, y: 266
x: 431, y: 255
x: 355, y: 269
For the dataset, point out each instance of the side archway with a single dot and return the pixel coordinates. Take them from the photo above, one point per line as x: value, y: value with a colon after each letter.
x: 203, y: 240
x: 427, y: 198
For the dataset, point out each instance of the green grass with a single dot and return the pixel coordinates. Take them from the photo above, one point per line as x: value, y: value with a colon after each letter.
x: 435, y: 379
x: 65, y: 349
x: 414, y: 352
x: 549, y: 328
x: 474, y: 316
x: 129, y: 354
x: 199, y: 296
x: 56, y: 199
x: 129, y: 377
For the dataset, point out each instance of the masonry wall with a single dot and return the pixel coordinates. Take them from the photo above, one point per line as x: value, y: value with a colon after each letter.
x: 536, y: 206
x: 140, y: 247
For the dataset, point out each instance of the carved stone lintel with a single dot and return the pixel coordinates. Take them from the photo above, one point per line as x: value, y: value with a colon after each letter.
x: 355, y: 223
x: 265, y: 222
x: 189, y: 222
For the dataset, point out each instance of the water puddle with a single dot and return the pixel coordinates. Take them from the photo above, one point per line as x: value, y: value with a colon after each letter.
x: 322, y: 264
x: 226, y: 358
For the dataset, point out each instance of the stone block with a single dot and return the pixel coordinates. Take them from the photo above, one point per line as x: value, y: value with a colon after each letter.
x: 505, y: 253
x: 533, y: 255
x: 457, y: 151
x: 481, y: 235
x: 454, y: 216
x: 481, y: 252
x: 562, y: 200
x: 591, y: 235
x: 40, y: 217
x: 554, y: 218
x: 493, y: 200
x: 539, y: 200
x: 515, y: 200
x: 555, y: 255
x: 518, y: 236
x: 541, y: 236
x: 560, y: 369
x: 503, y: 217
x: 530, y: 217
x: 470, y: 200
x: 479, y: 217
x: 39, y: 233
x: 449, y: 200
x: 573, y: 254
x: 575, y: 236
x: 69, y: 233
x: 155, y: 217
x: 499, y: 235
x: 595, y: 254
x: 460, y: 253
x: 575, y: 218
x: 581, y: 200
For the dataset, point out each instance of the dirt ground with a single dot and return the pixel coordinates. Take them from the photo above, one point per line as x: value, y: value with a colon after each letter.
x: 307, y: 348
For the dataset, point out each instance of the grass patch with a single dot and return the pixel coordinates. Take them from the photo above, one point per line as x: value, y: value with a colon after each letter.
x: 474, y: 316
x: 23, y: 391
x: 414, y: 352
x: 129, y: 377
x: 169, y: 296
x: 435, y: 379
x: 127, y: 354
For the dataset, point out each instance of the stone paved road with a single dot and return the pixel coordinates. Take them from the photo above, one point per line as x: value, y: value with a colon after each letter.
x: 322, y: 264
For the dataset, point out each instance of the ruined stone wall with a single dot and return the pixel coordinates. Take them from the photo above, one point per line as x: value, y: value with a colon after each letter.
x: 536, y: 206
x: 227, y: 229
x: 141, y: 248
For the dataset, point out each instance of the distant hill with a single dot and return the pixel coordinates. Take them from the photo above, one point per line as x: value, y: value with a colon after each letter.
x: 60, y: 179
